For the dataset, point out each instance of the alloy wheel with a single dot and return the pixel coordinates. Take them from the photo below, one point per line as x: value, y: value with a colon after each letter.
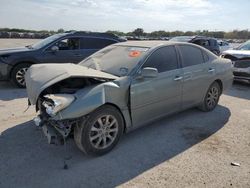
x: 103, y: 132
x: 20, y: 76
x: 212, y: 97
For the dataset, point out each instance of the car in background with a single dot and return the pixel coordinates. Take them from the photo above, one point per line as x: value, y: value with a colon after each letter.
x: 71, y: 47
x: 122, y: 87
x: 223, y: 45
x: 240, y: 57
x: 206, y: 42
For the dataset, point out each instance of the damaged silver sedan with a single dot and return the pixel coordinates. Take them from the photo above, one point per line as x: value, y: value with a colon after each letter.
x: 122, y: 87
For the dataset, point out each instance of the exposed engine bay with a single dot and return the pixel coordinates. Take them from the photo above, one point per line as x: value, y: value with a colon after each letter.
x: 71, y: 85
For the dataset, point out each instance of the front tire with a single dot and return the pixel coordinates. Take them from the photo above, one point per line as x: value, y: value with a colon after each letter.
x: 18, y: 73
x: 100, y: 131
x: 212, y: 97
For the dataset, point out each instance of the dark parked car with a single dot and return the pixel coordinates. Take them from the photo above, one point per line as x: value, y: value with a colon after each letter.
x: 241, y: 61
x: 69, y: 47
x: 207, y: 42
x: 122, y: 87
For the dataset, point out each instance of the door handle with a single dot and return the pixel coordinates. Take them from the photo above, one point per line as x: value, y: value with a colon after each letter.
x: 211, y: 70
x: 178, y: 78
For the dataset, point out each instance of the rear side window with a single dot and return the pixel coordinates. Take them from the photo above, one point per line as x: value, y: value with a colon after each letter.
x: 201, y: 42
x: 95, y: 43
x: 163, y: 59
x: 191, y: 55
x: 206, y: 57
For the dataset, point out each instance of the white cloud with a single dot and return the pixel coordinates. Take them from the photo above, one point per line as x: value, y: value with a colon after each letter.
x: 101, y: 15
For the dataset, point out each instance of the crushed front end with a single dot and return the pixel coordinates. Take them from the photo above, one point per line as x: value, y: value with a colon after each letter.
x: 56, y: 131
x: 241, y: 63
x: 52, y: 89
x: 241, y: 70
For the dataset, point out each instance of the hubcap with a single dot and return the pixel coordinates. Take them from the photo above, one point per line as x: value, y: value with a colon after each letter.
x: 212, y: 97
x: 20, y: 76
x: 103, y: 131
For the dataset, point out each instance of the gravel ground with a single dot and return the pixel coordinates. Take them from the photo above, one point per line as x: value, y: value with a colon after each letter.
x: 11, y: 43
x: 189, y: 149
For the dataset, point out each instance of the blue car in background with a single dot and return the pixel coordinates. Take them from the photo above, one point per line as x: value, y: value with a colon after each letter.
x: 71, y: 47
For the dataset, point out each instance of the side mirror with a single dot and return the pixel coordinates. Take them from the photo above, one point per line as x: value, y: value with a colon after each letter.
x: 149, y: 72
x: 54, y: 48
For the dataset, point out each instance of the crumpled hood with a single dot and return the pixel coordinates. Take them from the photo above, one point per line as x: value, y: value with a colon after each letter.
x: 41, y: 76
x: 13, y: 50
x: 238, y: 53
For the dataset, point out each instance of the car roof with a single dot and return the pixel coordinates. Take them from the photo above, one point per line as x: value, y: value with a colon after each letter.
x: 94, y: 34
x: 204, y: 37
x: 190, y: 38
x: 149, y: 43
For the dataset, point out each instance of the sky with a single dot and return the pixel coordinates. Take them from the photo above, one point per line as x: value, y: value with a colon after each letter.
x: 126, y: 15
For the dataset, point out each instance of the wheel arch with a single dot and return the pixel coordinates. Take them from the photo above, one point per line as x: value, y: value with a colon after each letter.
x: 19, y: 63
x: 120, y: 111
x: 220, y: 84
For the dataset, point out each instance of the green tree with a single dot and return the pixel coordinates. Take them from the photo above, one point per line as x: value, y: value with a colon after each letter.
x: 138, y: 32
x: 61, y: 30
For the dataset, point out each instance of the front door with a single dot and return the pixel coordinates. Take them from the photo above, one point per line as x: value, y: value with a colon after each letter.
x: 152, y: 98
x: 69, y: 52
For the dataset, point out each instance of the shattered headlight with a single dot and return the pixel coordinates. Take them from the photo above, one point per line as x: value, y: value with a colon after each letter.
x: 57, y: 102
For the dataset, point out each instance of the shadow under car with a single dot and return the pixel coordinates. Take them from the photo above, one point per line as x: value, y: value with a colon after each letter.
x: 25, y: 154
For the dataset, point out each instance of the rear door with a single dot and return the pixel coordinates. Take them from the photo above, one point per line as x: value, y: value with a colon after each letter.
x: 155, y: 97
x: 198, y: 72
x: 90, y: 45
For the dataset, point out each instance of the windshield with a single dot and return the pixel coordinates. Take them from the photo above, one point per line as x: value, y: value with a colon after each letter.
x: 244, y: 46
x: 116, y: 60
x: 182, y: 39
x: 46, y: 41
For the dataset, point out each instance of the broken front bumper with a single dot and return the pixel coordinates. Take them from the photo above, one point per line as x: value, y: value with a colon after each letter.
x: 55, y: 131
x: 241, y: 69
x: 52, y: 135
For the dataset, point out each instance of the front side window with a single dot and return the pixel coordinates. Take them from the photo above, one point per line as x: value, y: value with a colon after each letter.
x: 190, y: 55
x: 46, y: 41
x: 95, y: 43
x: 163, y: 59
x: 68, y: 44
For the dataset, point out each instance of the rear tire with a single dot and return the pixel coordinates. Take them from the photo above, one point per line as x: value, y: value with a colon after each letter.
x: 100, y: 131
x: 18, y: 73
x: 212, y: 97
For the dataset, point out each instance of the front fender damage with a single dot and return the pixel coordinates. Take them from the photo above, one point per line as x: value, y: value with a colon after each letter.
x: 86, y: 100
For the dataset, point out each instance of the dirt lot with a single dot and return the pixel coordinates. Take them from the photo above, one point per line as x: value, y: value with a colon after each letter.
x: 190, y: 149
x: 10, y: 43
